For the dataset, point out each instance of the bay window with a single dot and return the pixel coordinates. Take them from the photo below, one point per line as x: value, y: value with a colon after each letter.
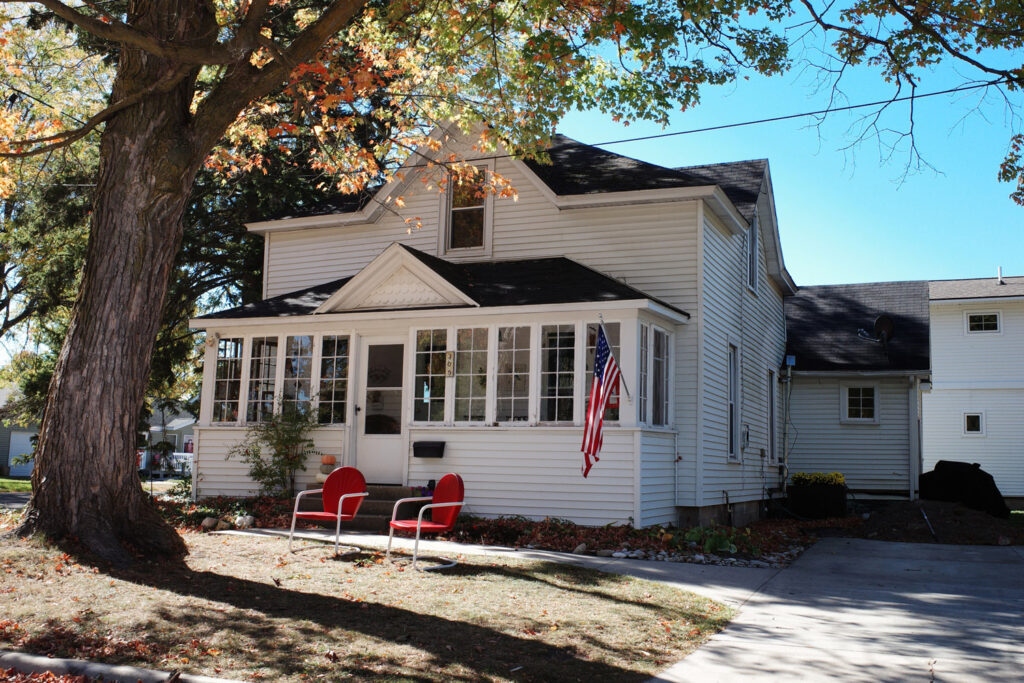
x: 227, y: 383
x: 333, y: 395
x: 512, y: 376
x: 557, y: 372
x: 298, y: 374
x: 611, y: 330
x: 429, y: 386
x: 471, y: 374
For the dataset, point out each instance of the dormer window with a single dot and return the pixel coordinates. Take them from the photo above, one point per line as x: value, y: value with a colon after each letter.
x: 467, y: 215
x: 752, y: 254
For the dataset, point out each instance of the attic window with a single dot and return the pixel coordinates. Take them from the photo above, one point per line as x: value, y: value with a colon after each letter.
x: 467, y: 216
x: 752, y: 254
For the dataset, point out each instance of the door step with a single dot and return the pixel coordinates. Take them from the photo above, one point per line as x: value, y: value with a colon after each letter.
x: 376, y: 510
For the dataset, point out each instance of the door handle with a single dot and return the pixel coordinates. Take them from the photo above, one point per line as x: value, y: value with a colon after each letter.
x: 358, y: 409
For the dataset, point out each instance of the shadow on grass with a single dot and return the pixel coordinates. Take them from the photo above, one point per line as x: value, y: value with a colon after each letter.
x: 453, y: 650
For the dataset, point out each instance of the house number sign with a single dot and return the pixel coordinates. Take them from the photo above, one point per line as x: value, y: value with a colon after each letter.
x: 449, y: 364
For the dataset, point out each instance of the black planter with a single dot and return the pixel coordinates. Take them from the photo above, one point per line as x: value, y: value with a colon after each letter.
x: 817, y: 501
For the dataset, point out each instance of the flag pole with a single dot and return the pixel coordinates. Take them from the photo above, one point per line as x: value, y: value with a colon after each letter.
x: 622, y: 380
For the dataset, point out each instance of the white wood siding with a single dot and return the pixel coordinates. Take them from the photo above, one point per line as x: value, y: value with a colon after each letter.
x: 657, y: 498
x: 870, y: 456
x: 977, y: 373
x: 1000, y: 451
x: 218, y: 475
x: 978, y: 360
x: 732, y: 313
x: 534, y: 472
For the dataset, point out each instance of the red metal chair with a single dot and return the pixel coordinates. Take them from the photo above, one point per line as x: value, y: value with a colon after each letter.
x: 445, y: 504
x: 343, y: 493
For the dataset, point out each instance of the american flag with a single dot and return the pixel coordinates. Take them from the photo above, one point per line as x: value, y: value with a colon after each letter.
x: 606, y: 381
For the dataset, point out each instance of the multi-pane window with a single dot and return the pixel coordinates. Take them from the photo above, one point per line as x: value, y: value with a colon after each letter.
x: 262, y: 372
x: 860, y: 403
x: 431, y: 347
x: 333, y: 379
x: 298, y: 373
x: 468, y: 211
x: 471, y: 374
x: 557, y: 372
x: 659, y: 379
x: 513, y: 374
x: 733, y: 398
x: 642, y: 394
x: 611, y: 330
x: 228, y: 380
x: 982, y: 322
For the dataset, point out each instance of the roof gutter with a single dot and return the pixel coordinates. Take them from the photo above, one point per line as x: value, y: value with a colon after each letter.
x: 978, y: 300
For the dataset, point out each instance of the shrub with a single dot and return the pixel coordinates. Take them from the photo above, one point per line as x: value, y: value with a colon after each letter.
x: 277, y: 448
x: 817, y: 478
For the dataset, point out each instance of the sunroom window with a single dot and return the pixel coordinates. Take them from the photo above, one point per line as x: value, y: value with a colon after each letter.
x: 513, y: 374
x: 642, y: 393
x: 471, y: 374
x: 227, y: 384
x: 333, y: 379
x: 557, y: 372
x: 262, y: 374
x: 611, y: 412
x: 659, y: 379
x: 298, y: 373
x: 431, y: 348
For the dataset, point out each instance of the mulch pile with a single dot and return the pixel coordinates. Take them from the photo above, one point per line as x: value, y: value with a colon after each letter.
x: 953, y: 523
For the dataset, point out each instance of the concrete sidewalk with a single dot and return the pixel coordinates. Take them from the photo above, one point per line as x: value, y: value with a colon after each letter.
x: 847, y: 609
x: 14, y: 501
x: 729, y: 585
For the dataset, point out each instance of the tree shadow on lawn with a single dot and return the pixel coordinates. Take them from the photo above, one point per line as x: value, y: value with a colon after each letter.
x: 450, y: 644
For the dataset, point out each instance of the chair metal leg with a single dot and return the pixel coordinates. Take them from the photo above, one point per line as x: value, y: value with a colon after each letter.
x: 416, y: 548
x: 290, y: 534
x: 391, y: 534
x: 337, y: 534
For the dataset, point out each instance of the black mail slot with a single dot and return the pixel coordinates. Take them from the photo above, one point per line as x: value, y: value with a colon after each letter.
x: 428, y: 449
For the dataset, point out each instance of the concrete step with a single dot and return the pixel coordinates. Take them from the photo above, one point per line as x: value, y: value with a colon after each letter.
x: 375, y: 512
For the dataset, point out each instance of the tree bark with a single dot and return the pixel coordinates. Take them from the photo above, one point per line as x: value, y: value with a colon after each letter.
x: 85, y: 480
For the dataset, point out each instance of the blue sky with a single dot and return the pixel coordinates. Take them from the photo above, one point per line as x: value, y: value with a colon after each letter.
x: 849, y: 216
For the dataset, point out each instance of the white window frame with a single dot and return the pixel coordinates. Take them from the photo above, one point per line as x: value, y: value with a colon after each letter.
x: 243, y: 379
x: 844, y: 403
x: 981, y: 423
x: 643, y: 374
x: 449, y: 382
x: 489, y: 379
x: 983, y: 333
x: 444, y: 220
x: 733, y: 401
x: 753, y: 255
x: 652, y: 378
x: 318, y: 374
x: 492, y: 371
x: 579, y: 365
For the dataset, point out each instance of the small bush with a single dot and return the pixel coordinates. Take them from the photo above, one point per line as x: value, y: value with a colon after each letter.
x: 817, y: 478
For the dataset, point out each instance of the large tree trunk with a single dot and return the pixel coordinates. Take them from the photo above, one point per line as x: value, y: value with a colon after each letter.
x: 85, y: 480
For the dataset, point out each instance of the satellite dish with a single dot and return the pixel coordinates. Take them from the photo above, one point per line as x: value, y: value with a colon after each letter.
x: 884, y: 328
x: 883, y: 331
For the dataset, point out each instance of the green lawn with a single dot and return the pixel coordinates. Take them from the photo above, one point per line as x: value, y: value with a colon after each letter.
x: 15, y: 485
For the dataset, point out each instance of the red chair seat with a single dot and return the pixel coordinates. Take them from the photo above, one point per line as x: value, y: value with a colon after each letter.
x: 324, y: 516
x: 410, y: 525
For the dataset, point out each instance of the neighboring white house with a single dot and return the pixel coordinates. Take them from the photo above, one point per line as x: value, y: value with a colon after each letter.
x: 975, y: 409
x: 477, y: 330
x: 853, y: 400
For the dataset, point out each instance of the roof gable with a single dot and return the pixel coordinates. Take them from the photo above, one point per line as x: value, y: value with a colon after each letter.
x: 397, y: 278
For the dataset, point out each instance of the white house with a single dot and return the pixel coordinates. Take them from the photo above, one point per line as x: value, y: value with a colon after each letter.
x: 853, y: 399
x: 477, y: 330
x: 975, y: 409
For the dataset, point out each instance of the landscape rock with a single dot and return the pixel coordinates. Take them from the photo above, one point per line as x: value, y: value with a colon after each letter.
x: 620, y: 554
x: 222, y: 525
x: 209, y: 523
x: 580, y: 549
x: 244, y: 521
x: 605, y: 553
x: 698, y: 558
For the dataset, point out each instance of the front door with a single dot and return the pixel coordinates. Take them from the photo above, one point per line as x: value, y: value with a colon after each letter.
x: 380, y: 452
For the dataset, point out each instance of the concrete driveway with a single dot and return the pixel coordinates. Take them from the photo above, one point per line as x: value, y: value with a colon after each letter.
x: 856, y: 610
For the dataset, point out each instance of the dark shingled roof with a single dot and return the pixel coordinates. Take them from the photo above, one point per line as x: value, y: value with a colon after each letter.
x: 489, y: 283
x: 578, y: 168
x: 822, y: 324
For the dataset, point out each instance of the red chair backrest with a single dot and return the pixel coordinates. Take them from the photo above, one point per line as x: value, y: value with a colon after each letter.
x: 449, y: 490
x: 339, y: 482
